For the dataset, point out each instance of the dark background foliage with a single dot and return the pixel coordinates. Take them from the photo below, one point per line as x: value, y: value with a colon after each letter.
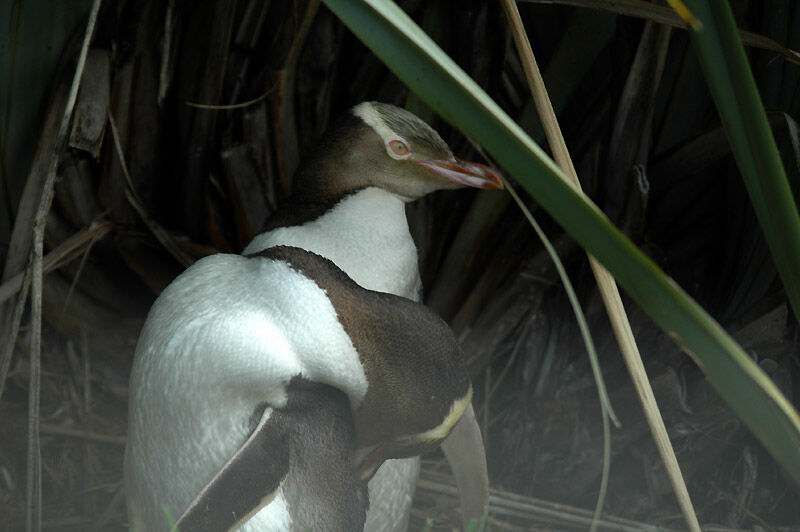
x: 649, y: 150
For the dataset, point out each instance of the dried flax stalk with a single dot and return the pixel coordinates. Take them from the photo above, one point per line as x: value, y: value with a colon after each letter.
x: 608, y: 288
x: 33, y: 517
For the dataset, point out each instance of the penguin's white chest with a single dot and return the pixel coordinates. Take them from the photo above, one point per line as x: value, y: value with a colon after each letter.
x: 366, y: 235
x: 226, y: 336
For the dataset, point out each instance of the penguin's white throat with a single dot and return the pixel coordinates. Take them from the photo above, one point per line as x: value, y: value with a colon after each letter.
x: 366, y: 235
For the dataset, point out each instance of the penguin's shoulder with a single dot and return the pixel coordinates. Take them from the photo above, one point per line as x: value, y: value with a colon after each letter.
x: 258, y: 323
x: 227, y: 299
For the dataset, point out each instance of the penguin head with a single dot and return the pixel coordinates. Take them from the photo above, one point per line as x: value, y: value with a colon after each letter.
x: 380, y: 145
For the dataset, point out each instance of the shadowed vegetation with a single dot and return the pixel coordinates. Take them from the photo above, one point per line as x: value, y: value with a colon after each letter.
x: 213, y: 104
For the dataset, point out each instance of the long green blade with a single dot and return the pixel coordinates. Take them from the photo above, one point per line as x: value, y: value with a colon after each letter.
x: 429, y: 72
x: 739, y: 105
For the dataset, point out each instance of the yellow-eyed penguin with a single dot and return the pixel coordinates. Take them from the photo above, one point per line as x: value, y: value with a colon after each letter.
x: 349, y: 207
x: 306, y: 452
x: 330, y: 379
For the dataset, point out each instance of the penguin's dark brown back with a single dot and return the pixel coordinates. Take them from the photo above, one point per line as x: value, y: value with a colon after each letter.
x: 414, y: 366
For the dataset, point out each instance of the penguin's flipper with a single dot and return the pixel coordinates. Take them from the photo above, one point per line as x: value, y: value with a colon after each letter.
x: 246, y: 483
x: 464, y: 450
x: 303, y: 451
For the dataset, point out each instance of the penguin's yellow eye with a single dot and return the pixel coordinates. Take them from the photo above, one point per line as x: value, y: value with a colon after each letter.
x: 399, y: 148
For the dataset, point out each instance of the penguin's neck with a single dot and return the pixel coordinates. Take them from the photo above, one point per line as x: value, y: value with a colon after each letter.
x: 365, y: 234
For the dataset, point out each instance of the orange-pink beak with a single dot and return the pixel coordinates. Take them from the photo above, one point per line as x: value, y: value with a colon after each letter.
x: 466, y: 173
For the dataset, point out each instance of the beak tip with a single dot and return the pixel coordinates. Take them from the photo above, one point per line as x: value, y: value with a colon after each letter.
x: 491, y: 179
x: 495, y: 183
x: 467, y: 173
